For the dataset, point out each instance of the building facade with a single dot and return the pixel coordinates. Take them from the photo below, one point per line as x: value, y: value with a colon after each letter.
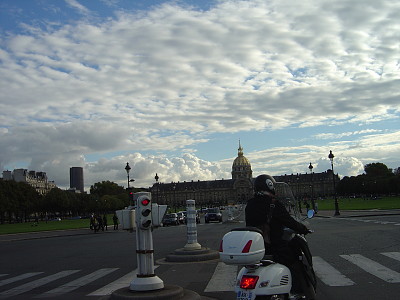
x: 76, y: 179
x: 37, y: 180
x: 239, y: 189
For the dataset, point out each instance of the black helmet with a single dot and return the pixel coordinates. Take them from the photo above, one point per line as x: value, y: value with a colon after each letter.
x: 265, y: 183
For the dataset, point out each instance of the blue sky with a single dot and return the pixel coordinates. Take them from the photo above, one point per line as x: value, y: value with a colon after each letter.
x: 172, y: 86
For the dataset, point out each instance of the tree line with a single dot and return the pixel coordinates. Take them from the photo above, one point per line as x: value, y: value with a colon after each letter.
x: 19, y: 202
x: 377, y: 180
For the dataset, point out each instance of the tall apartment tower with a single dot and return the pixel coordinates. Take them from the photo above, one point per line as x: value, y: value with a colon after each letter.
x: 76, y: 178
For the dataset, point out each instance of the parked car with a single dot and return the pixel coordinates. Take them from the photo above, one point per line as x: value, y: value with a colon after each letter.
x: 170, y: 219
x: 181, y: 217
x: 213, y: 214
x: 197, y: 217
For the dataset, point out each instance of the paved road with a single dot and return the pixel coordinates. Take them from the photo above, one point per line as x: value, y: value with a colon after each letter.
x: 356, y: 256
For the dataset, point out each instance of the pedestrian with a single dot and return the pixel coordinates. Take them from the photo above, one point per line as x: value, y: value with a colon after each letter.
x: 100, y: 221
x: 105, y: 222
x: 115, y: 221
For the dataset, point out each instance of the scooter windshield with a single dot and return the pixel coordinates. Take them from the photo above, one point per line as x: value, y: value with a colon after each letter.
x: 284, y: 194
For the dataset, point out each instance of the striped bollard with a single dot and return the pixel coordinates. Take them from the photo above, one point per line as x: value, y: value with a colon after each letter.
x: 192, y: 243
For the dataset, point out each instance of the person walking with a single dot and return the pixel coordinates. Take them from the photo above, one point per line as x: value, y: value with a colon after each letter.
x: 105, y: 222
x: 115, y: 221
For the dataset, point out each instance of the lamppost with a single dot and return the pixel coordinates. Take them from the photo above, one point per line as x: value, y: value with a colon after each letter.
x: 174, y: 188
x: 331, y: 156
x: 127, y: 169
x: 298, y: 192
x: 312, y: 186
x: 156, y: 178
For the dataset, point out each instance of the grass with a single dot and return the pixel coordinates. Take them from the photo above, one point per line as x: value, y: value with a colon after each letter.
x: 326, y: 204
x: 360, y: 203
x: 50, y: 225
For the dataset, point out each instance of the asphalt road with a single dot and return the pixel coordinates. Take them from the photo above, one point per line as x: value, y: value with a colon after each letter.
x: 356, y: 256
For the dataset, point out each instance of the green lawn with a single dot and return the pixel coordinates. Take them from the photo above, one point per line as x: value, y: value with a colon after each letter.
x: 50, y: 225
x: 360, y: 204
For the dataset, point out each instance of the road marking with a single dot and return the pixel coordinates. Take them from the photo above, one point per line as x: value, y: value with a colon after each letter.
x: 328, y: 274
x: 120, y: 283
x: 75, y: 284
x: 16, y: 278
x: 223, y: 279
x: 394, y: 255
x: 36, y: 283
x: 373, y: 268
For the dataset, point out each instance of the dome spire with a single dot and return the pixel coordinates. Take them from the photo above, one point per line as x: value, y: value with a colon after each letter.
x: 240, y: 150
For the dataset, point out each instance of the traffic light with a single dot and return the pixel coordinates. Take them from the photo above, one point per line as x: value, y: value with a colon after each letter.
x: 144, y: 210
x: 130, y: 195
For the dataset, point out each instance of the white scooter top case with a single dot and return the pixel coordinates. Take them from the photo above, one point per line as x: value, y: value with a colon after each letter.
x: 242, y: 246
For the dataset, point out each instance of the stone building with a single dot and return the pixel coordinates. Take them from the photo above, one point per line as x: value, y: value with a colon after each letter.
x: 37, y: 180
x: 211, y: 192
x: 239, y: 188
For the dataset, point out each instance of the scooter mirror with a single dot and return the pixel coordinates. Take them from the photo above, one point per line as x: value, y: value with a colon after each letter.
x: 310, y: 213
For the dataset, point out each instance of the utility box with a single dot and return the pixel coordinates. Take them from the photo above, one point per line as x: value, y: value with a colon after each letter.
x: 242, y: 246
x: 127, y: 218
x: 158, y: 211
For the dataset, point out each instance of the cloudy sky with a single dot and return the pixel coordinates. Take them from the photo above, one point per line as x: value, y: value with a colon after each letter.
x: 171, y: 87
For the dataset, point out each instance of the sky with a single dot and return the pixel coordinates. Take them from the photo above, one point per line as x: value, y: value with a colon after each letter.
x: 172, y: 87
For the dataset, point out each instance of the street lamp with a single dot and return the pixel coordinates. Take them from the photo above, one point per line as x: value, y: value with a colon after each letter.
x: 298, y: 192
x: 174, y: 188
x: 312, y: 186
x: 156, y: 178
x: 331, y: 156
x: 127, y: 169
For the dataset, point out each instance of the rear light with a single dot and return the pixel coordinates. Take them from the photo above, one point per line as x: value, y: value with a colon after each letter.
x: 248, y: 282
x: 246, y: 248
x: 220, y: 246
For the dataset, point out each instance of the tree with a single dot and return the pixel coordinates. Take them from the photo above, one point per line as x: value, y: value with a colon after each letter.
x: 103, y: 188
x: 377, y: 170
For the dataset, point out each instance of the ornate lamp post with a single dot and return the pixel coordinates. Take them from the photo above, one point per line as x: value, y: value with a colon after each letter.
x: 156, y: 178
x: 127, y: 169
x: 331, y: 156
x: 298, y: 192
x: 312, y: 186
x: 174, y: 188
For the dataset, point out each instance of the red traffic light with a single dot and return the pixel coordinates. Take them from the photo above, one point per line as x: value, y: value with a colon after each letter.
x: 145, y: 202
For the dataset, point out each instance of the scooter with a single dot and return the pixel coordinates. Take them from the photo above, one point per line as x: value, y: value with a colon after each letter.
x: 262, y: 277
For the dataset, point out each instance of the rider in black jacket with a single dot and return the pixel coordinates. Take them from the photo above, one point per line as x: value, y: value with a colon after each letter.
x: 270, y: 215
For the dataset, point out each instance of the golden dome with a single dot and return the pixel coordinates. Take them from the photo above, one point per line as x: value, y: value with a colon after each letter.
x: 241, y: 160
x: 241, y: 166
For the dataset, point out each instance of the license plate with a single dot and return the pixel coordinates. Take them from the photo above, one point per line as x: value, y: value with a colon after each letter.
x: 245, y: 295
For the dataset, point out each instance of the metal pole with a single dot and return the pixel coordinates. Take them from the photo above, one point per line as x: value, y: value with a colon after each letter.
x: 337, y: 212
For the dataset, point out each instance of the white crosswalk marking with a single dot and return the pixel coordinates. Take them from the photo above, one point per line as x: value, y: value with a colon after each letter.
x: 36, y: 283
x: 373, y: 268
x: 73, y: 285
x: 223, y: 279
x: 328, y: 274
x: 120, y: 283
x: 113, y: 286
x: 17, y: 278
x: 394, y: 255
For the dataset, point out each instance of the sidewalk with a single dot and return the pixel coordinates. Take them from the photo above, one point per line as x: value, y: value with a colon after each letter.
x: 357, y: 213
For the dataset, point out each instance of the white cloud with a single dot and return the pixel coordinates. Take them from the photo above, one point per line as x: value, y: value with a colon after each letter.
x: 168, y: 78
